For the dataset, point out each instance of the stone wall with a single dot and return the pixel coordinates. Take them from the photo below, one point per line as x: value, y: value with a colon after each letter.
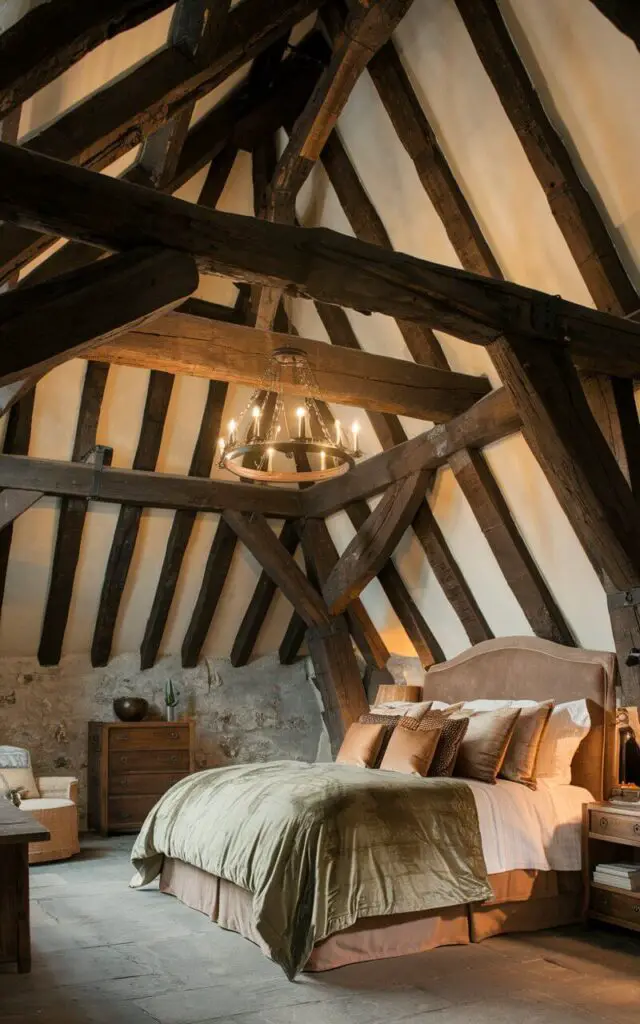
x: 262, y: 712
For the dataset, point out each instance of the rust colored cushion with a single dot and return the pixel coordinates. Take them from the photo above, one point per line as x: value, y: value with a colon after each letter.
x: 485, y: 743
x: 388, y: 722
x: 361, y: 744
x: 521, y: 758
x: 411, y: 748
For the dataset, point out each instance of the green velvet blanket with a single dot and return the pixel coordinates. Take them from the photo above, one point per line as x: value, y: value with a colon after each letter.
x: 320, y: 845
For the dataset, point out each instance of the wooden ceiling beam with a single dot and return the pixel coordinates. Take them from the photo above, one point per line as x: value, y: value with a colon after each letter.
x: 368, y: 26
x: 240, y: 354
x: 216, y: 571
x: 14, y: 503
x: 310, y: 262
x: 511, y: 553
x: 49, y: 39
x: 624, y: 14
x: 48, y: 323
x: 337, y: 677
x: 490, y: 419
x: 255, y: 532
x: 16, y: 443
x: 152, y: 490
x: 375, y: 542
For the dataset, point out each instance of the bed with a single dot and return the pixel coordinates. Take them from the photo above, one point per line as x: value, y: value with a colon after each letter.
x: 530, y: 839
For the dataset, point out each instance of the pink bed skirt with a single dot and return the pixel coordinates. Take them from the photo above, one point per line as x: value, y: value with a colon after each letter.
x: 523, y: 901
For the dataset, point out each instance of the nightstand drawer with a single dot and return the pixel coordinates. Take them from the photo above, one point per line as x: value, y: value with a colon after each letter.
x: 614, y: 826
x: 121, y: 762
x: 129, y: 811
x: 138, y: 783
x: 624, y: 907
x: 174, y: 737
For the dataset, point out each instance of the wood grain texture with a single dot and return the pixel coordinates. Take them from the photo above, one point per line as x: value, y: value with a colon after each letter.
x: 314, y: 262
x: 16, y: 443
x: 14, y: 503
x: 50, y: 322
x: 375, y: 542
x: 257, y: 535
x: 52, y: 37
x: 518, y: 567
x: 292, y: 640
x: 216, y: 571
x: 337, y: 678
x: 240, y: 354
x: 71, y: 520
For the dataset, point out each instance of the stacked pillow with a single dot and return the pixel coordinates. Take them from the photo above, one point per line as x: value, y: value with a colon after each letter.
x: 519, y: 740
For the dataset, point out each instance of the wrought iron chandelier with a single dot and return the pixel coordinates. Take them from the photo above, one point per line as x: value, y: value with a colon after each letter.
x: 288, y: 437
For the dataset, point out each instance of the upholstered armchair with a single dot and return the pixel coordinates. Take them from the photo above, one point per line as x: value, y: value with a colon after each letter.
x: 52, y: 800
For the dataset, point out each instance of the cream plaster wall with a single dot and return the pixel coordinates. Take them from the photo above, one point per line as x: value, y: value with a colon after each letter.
x: 589, y: 76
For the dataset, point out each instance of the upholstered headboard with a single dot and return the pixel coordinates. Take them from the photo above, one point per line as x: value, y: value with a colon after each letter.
x: 527, y: 668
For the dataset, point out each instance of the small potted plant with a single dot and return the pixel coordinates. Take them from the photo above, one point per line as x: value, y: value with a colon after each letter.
x: 170, y: 700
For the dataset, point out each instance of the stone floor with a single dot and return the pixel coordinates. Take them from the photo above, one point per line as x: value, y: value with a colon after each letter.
x: 104, y: 954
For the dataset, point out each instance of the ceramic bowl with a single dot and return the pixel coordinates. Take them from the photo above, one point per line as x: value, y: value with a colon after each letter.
x: 130, y: 709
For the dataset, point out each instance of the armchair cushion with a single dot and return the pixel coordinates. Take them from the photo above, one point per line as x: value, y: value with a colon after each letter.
x: 63, y: 787
x: 21, y: 779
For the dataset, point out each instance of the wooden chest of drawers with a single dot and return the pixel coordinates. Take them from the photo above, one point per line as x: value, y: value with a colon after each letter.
x: 131, y: 764
x: 611, y: 833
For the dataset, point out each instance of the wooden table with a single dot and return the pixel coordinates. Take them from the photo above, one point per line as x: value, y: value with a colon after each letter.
x: 17, y: 830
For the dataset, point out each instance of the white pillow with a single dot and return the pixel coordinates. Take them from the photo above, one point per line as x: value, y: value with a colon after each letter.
x: 487, y: 705
x: 568, y: 725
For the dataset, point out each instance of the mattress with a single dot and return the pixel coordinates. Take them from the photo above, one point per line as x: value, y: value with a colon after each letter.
x: 533, y: 830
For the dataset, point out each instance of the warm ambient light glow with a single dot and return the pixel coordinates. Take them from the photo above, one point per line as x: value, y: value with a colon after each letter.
x: 355, y: 430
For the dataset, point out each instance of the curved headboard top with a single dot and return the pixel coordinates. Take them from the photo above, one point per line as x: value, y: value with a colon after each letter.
x: 528, y: 668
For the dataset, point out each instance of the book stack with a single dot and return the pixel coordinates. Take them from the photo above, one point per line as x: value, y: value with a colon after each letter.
x: 620, y: 876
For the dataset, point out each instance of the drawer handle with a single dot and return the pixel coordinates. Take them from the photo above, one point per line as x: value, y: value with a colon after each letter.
x: 636, y: 830
x: 173, y: 758
x: 125, y: 816
x: 124, y: 759
x: 636, y: 908
x: 174, y: 734
x: 604, y: 823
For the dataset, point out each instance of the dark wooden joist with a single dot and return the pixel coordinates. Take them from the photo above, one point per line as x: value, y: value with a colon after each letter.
x: 181, y: 528
x: 255, y: 532
x: 71, y: 520
x: 374, y: 543
x: 321, y: 555
x: 240, y: 354
x: 426, y: 646
x: 292, y: 640
x: 490, y: 419
x: 337, y: 677
x: 126, y: 531
x: 151, y: 490
x: 367, y: 226
x: 512, y: 555
x: 311, y: 262
x: 215, y: 574
x: 571, y: 204
x: 14, y: 503
x: 624, y: 14
x: 52, y: 37
x: 612, y: 402
x: 16, y: 444
x: 50, y: 322
x: 197, y: 27
x: 368, y: 26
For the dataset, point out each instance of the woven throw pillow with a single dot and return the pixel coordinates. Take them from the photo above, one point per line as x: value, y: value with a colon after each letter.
x: 410, y: 749
x: 521, y: 758
x: 446, y: 753
x: 485, y: 743
x: 400, y: 708
x: 361, y: 745
x: 388, y: 722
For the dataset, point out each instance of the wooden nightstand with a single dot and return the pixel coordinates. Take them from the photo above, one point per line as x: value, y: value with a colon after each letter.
x: 610, y: 833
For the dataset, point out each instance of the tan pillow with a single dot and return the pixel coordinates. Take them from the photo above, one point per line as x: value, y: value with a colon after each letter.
x: 451, y: 737
x: 361, y: 745
x: 388, y: 722
x: 21, y: 779
x: 484, y: 746
x: 411, y: 748
x: 521, y: 758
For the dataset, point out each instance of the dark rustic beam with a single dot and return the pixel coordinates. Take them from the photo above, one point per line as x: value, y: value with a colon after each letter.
x: 240, y: 354
x: 47, y: 40
x: 426, y: 646
x: 571, y: 204
x: 126, y: 531
x: 14, y: 503
x: 624, y: 14
x: 490, y: 419
x: 311, y: 262
x: 152, y: 490
x: 71, y: 521
x: 512, y: 555
x: 50, y: 322
x: 368, y: 26
x: 337, y: 678
x: 197, y: 26
x: 374, y: 543
x: 612, y: 402
x: 16, y: 444
x: 181, y: 529
x: 292, y: 640
x: 255, y: 532
x: 215, y: 574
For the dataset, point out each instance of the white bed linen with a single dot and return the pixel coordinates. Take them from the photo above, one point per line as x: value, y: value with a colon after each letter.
x: 536, y: 830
